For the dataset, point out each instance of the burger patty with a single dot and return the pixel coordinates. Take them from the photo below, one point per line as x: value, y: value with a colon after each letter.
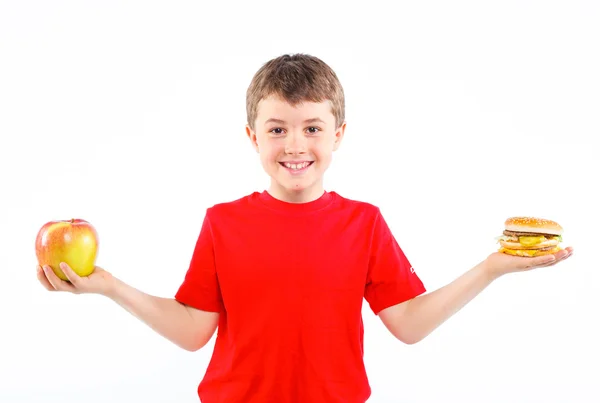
x: 512, y: 233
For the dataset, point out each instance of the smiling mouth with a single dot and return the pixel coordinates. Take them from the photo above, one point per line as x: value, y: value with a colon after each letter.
x: 296, y: 166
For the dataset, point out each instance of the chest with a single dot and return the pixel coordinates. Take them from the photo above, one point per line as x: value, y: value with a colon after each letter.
x: 292, y: 263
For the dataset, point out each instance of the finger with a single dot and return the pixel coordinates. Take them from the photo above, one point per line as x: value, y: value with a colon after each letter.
x: 70, y: 274
x: 564, y: 253
x: 43, y: 279
x: 56, y: 282
x: 540, y: 261
x: 558, y: 257
x: 562, y: 256
x: 552, y: 263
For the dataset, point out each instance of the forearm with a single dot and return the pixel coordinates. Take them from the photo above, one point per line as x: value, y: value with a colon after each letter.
x: 167, y: 317
x: 423, y: 314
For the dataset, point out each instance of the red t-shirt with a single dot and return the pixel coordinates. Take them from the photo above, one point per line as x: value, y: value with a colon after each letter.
x: 289, y: 281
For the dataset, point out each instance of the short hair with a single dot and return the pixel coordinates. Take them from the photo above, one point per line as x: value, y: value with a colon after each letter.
x: 296, y: 78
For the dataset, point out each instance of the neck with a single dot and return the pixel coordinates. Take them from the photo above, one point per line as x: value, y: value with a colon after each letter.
x: 306, y: 195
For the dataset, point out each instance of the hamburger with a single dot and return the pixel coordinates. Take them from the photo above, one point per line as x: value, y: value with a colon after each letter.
x: 530, y: 237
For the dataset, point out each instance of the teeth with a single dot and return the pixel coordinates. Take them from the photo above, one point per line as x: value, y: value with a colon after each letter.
x: 296, y: 166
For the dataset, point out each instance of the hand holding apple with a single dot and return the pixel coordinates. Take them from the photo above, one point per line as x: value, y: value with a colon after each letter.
x: 99, y: 282
x: 74, y: 242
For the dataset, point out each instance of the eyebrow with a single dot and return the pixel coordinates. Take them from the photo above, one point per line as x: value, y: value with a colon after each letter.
x: 313, y: 120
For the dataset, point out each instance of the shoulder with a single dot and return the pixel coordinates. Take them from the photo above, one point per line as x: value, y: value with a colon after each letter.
x: 358, y: 206
x: 229, y: 207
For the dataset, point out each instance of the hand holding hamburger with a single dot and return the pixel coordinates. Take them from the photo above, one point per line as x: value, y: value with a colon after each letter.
x: 527, y: 243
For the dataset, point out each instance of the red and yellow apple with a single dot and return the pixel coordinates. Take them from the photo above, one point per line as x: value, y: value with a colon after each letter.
x: 74, y: 242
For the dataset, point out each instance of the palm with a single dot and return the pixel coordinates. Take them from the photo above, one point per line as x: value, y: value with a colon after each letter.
x: 98, y: 282
x: 95, y: 282
x: 503, y: 263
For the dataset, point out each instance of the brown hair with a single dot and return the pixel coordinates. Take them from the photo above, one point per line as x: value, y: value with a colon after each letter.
x: 296, y: 78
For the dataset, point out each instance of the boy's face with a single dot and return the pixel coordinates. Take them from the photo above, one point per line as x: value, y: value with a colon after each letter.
x: 295, y: 146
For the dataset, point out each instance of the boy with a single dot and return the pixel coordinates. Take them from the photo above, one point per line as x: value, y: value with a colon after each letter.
x: 282, y: 273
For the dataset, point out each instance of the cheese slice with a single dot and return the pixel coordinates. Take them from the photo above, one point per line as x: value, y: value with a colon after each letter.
x: 531, y: 240
x: 528, y: 252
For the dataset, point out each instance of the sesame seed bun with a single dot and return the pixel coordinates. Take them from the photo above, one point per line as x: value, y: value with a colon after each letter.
x: 533, y: 225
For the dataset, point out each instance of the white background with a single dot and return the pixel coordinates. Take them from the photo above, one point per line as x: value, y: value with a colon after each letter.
x: 460, y: 114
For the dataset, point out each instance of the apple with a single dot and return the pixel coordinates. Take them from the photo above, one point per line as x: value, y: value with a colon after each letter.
x: 74, y: 242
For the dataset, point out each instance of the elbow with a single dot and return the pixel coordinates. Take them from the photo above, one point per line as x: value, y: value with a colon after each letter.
x: 190, y: 347
x: 411, y: 341
x: 402, y: 324
x: 186, y: 345
x: 404, y: 335
x: 409, y: 338
x: 196, y: 343
x: 193, y: 346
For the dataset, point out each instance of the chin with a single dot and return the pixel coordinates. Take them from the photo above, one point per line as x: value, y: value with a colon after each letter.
x: 297, y: 187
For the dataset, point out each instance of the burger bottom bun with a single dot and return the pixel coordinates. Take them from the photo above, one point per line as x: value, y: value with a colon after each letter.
x: 529, y: 252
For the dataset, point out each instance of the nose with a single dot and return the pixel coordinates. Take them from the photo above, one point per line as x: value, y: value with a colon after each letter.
x: 295, y: 144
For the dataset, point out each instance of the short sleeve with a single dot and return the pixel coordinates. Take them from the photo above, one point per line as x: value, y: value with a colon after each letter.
x: 200, y: 287
x: 391, y: 278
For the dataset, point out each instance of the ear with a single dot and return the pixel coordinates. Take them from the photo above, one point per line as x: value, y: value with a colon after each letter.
x: 339, y: 135
x: 252, y: 136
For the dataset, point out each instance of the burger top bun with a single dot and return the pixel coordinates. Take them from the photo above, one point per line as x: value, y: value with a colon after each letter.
x: 534, y: 225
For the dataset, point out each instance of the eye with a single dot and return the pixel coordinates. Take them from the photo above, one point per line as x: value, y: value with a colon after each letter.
x: 313, y: 130
x: 276, y: 130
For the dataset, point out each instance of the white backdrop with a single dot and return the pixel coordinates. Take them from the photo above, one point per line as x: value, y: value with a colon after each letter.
x: 131, y: 115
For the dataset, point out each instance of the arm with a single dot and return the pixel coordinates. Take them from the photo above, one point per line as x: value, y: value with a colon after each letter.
x: 185, y: 326
x: 412, y: 320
